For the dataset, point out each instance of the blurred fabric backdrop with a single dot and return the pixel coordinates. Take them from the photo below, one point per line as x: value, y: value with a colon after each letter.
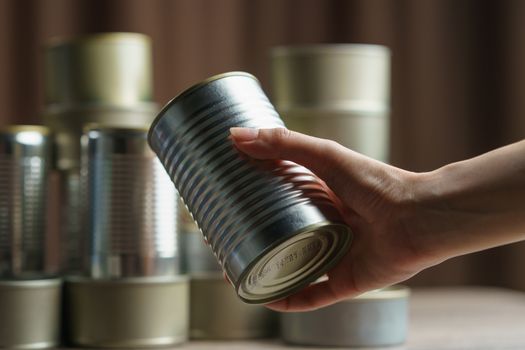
x: 458, y: 71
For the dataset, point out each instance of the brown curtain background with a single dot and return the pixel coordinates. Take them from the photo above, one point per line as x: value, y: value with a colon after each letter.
x: 458, y: 75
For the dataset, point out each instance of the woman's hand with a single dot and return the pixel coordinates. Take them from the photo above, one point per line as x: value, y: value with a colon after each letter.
x: 403, y: 222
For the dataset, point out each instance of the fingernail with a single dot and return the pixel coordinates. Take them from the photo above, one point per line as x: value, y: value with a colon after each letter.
x: 244, y: 134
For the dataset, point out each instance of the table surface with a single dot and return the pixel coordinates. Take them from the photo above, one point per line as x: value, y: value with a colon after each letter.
x: 440, y: 319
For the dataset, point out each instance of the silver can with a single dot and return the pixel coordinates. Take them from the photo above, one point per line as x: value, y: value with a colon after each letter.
x: 25, y: 156
x: 131, y: 206
x: 336, y: 91
x: 377, y: 318
x: 272, y: 225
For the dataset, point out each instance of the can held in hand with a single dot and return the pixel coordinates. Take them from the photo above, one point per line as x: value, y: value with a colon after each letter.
x: 25, y: 156
x: 131, y: 206
x: 273, y: 225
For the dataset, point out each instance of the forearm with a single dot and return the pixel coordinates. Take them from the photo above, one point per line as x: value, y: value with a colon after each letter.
x: 471, y: 205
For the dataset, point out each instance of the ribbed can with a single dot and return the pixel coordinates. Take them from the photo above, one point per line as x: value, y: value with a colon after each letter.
x: 272, y: 225
x: 25, y: 156
x: 131, y: 206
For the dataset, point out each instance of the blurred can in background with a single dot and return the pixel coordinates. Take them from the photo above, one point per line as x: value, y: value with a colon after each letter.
x: 336, y: 91
x: 131, y: 206
x: 29, y: 295
x: 373, y: 319
x: 25, y: 160
x: 102, y: 78
x: 273, y: 225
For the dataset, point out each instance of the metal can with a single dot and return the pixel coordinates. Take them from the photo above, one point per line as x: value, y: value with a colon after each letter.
x: 216, y: 313
x: 30, y: 313
x: 25, y: 157
x: 378, y: 318
x: 131, y: 206
x: 272, y: 225
x: 127, y: 313
x: 105, y: 69
x: 340, y: 92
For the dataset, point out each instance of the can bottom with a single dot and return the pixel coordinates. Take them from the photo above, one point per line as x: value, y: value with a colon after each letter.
x: 295, y: 263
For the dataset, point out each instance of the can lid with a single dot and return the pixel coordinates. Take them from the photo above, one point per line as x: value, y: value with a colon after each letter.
x: 295, y: 263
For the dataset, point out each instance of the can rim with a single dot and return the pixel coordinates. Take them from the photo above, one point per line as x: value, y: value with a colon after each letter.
x: 309, y: 279
x: 64, y: 41
x: 149, y: 280
x: 32, y: 283
x: 319, y: 49
x: 191, y: 90
x: 15, y: 129
x: 94, y: 126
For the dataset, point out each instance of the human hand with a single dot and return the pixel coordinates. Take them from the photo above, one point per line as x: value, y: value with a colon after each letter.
x: 376, y: 200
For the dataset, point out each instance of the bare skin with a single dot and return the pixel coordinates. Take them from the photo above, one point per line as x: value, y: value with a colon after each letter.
x: 403, y: 221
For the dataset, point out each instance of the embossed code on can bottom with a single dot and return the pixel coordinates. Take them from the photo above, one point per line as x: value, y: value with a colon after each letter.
x: 273, y: 225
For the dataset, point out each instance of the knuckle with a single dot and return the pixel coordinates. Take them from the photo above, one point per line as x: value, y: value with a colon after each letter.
x: 280, y: 135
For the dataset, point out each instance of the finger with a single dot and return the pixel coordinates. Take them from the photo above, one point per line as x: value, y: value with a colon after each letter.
x: 311, y: 298
x: 325, y: 158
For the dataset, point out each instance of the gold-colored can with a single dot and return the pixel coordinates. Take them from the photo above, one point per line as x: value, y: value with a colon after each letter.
x: 103, y: 69
x: 30, y: 313
x: 123, y: 313
x: 336, y: 91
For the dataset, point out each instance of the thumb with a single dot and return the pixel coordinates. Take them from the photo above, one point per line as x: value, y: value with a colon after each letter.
x: 323, y: 157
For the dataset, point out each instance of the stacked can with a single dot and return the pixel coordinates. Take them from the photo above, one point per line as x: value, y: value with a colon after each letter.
x: 121, y: 255
x: 29, y: 295
x: 341, y: 92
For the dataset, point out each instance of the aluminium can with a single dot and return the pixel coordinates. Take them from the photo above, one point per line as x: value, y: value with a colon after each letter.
x: 30, y: 313
x: 273, y: 225
x: 131, y: 206
x: 25, y: 159
x: 336, y: 91
x: 377, y: 318
x: 217, y: 314
x: 126, y: 313
x: 100, y: 69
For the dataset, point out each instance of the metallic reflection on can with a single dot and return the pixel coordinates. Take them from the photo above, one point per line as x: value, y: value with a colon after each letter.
x: 25, y: 156
x: 131, y: 206
x: 378, y: 318
x: 339, y: 92
x: 272, y: 225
